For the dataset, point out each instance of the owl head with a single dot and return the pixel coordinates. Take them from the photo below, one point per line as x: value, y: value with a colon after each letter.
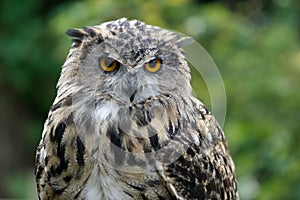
x: 127, y: 59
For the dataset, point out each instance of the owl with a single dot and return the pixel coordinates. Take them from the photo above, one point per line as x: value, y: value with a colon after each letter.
x: 125, y: 124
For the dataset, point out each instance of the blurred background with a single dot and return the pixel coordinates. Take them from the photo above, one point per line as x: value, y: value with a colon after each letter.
x: 255, y: 44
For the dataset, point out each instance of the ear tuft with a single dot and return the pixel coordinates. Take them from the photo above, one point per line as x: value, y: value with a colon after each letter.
x: 77, y: 35
x: 90, y: 31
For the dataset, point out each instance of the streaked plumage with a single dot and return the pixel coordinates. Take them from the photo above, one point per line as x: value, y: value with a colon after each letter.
x: 130, y: 133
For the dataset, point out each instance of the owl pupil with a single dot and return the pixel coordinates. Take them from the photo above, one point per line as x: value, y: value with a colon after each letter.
x: 153, y: 63
x: 109, y: 62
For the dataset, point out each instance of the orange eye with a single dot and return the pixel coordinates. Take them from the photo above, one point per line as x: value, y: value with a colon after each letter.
x: 108, y: 64
x: 153, y: 65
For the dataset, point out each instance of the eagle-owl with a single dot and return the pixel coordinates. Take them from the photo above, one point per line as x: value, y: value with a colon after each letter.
x: 125, y: 125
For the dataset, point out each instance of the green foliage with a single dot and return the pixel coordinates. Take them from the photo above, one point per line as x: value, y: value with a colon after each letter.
x: 255, y: 46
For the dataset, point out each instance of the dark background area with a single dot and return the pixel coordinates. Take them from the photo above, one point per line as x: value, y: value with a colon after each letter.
x: 255, y: 44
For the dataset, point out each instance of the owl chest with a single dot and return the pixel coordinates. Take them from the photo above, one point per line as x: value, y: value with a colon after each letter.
x: 110, y: 184
x: 104, y: 184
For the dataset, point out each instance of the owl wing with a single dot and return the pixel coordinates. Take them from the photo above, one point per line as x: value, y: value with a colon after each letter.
x: 205, y: 169
x: 60, y: 157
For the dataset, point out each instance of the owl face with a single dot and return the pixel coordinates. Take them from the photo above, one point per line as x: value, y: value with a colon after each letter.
x: 130, y: 60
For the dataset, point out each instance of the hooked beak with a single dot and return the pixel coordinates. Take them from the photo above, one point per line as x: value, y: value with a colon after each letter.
x: 130, y: 85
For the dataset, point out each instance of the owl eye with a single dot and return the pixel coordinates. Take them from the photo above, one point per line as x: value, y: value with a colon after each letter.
x: 153, y: 65
x: 108, y: 64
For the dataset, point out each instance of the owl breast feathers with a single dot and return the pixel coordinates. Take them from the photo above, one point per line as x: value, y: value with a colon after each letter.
x: 125, y: 125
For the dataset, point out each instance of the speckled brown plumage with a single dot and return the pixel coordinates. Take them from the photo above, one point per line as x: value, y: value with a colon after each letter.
x: 132, y: 132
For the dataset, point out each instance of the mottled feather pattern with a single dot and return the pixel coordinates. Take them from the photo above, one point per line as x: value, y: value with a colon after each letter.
x: 130, y: 134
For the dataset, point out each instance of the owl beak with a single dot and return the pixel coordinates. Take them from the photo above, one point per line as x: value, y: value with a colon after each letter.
x: 132, y: 96
x: 131, y: 87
